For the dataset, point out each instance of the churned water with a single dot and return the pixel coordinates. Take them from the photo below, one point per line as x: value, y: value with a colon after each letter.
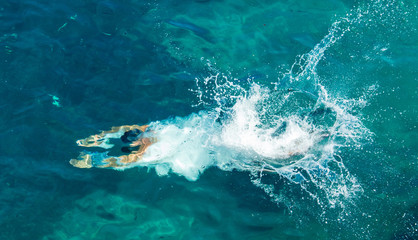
x: 273, y: 119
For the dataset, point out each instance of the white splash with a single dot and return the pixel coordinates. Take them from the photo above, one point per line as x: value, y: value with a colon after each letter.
x: 294, y: 130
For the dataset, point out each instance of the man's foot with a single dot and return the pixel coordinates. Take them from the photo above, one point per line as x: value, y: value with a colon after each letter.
x: 97, y: 140
x: 84, y: 162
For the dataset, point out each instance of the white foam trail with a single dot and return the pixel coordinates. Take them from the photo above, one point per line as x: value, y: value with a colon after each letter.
x: 187, y: 146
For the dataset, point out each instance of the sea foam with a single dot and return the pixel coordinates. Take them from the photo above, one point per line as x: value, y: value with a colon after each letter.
x: 294, y: 130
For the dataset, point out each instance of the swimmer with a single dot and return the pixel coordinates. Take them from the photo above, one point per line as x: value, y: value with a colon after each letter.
x: 134, y: 137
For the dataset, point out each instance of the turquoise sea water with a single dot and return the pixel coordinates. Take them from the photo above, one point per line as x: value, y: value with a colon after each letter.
x: 274, y: 119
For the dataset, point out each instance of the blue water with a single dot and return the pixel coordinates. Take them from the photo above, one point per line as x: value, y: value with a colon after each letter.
x: 274, y: 119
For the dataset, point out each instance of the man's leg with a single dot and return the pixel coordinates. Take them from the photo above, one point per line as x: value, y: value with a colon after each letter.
x: 102, y: 139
